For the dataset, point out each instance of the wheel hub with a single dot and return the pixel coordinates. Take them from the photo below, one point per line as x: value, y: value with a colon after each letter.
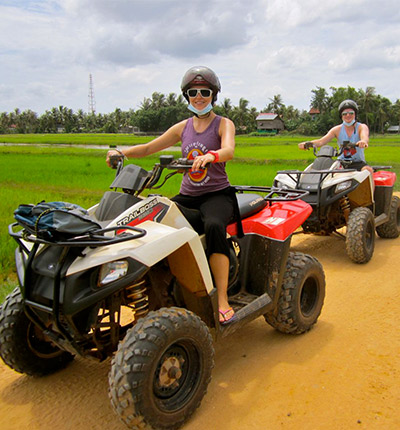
x: 171, y: 372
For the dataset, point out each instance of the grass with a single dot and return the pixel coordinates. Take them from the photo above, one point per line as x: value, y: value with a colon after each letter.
x: 29, y: 174
x: 76, y: 139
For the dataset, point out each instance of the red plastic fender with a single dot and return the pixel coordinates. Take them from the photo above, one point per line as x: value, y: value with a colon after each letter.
x: 384, y: 178
x: 276, y: 221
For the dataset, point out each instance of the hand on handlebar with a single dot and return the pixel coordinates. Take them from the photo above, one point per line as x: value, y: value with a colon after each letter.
x: 305, y: 145
x: 362, y: 144
x: 201, y: 161
x: 113, y: 157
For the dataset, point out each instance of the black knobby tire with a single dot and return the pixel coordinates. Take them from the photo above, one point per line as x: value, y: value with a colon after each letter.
x: 23, y: 347
x: 360, y: 236
x: 161, y: 370
x: 391, y: 228
x: 301, y: 297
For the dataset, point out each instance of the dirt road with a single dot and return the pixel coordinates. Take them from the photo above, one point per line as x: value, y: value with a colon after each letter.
x: 343, y: 374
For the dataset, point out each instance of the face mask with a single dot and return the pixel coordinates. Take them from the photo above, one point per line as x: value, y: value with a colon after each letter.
x: 200, y: 112
x: 349, y: 123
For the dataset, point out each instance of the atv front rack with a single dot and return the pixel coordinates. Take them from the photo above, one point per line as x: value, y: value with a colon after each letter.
x: 295, y: 174
x: 92, y: 239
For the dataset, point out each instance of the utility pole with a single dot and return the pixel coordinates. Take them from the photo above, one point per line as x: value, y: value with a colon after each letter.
x: 91, y: 103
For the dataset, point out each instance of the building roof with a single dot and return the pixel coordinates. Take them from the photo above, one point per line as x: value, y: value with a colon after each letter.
x: 266, y: 116
x: 393, y: 128
x: 313, y: 111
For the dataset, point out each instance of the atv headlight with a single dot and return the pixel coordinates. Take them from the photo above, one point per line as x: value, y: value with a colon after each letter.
x: 110, y: 272
x: 343, y: 186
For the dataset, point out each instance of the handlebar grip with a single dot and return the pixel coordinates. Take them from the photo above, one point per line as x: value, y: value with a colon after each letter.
x: 115, y: 160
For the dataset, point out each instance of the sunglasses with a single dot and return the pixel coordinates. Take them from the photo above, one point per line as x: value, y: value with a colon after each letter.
x: 204, y: 92
x: 348, y: 113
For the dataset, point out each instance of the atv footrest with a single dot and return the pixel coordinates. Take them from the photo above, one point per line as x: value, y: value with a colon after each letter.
x: 248, y: 311
x: 242, y: 299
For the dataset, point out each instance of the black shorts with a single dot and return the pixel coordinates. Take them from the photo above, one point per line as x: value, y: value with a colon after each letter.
x: 217, y: 210
x: 358, y: 165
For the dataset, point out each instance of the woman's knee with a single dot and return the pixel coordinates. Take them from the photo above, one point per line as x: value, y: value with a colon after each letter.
x: 214, y: 226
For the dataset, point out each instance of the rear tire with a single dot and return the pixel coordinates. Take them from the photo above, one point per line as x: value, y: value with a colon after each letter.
x: 23, y: 346
x: 391, y: 228
x: 161, y: 370
x: 302, y: 295
x: 360, y: 236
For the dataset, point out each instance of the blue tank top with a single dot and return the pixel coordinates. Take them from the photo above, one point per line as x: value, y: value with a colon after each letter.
x: 213, y: 178
x: 354, y: 154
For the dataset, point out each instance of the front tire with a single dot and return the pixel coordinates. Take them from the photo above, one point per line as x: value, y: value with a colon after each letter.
x: 360, y: 236
x: 301, y: 297
x: 391, y: 228
x: 23, y: 346
x: 161, y: 370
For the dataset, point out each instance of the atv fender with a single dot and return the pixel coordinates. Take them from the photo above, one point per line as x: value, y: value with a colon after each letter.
x: 277, y: 221
x: 182, y: 247
x: 363, y: 194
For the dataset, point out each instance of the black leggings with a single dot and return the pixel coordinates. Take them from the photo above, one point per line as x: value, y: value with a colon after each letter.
x: 358, y: 165
x: 216, y: 211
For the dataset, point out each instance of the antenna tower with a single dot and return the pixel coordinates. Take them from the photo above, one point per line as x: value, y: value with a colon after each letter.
x: 92, y: 103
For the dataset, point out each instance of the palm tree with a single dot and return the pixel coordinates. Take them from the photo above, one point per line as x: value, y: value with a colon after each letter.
x: 319, y: 99
x: 367, y: 98
x: 146, y: 104
x: 382, y: 112
x: 227, y: 107
x: 240, y: 113
x: 276, y: 105
x: 157, y: 100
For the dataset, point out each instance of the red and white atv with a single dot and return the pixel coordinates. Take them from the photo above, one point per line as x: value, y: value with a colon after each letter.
x: 140, y: 290
x: 343, y: 197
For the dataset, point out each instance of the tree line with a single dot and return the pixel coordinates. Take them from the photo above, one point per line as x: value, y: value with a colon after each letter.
x: 158, y: 113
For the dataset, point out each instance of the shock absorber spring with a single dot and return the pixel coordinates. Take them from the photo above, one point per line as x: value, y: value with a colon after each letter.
x: 138, y: 299
x: 345, y: 207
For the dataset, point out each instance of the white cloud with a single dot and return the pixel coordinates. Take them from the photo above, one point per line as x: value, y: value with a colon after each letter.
x: 135, y: 47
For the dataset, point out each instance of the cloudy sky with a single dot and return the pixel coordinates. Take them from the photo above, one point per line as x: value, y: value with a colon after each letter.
x: 258, y: 48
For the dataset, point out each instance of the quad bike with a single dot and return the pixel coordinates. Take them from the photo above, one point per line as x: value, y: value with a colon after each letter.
x: 344, y: 197
x: 139, y: 289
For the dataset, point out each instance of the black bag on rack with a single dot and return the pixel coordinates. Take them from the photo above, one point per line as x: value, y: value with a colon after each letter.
x: 55, y: 221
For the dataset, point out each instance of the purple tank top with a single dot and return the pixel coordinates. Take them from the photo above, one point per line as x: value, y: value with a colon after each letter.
x: 214, y: 178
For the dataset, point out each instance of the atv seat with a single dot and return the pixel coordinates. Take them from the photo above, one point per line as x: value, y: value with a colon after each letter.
x: 250, y: 204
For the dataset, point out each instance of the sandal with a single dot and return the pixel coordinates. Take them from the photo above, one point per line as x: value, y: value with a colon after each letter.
x: 223, y: 318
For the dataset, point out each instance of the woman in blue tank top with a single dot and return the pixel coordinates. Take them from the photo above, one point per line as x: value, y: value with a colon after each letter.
x: 209, y: 140
x: 349, y: 130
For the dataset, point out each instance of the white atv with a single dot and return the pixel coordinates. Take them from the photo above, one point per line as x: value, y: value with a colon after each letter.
x: 344, y: 197
x: 139, y: 289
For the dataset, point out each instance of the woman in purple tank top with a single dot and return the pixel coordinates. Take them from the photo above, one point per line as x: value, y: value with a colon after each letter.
x: 209, y: 140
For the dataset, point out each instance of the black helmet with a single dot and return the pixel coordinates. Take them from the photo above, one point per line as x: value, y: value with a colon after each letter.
x: 201, y: 75
x: 348, y: 104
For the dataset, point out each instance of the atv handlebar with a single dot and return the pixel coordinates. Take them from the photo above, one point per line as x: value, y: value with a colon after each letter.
x: 181, y: 165
x: 346, y: 145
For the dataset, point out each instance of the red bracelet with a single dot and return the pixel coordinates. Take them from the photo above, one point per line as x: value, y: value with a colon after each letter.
x: 216, y: 156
